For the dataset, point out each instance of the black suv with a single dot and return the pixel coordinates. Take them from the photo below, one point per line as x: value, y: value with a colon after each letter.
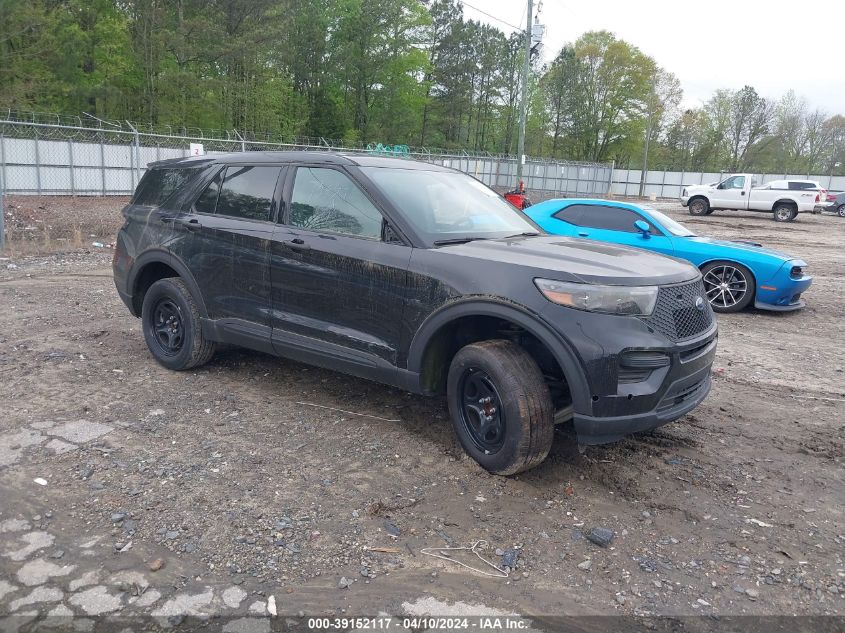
x: 420, y: 277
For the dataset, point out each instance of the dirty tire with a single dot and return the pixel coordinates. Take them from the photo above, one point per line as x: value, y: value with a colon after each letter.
x: 699, y: 206
x: 709, y: 211
x: 171, y: 324
x: 784, y: 213
x: 527, y: 422
x: 840, y: 211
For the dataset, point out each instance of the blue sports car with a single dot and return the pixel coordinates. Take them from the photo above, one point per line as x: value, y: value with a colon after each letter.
x: 734, y: 273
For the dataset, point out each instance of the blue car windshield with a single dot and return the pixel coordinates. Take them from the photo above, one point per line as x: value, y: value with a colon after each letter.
x: 675, y: 228
x: 445, y: 206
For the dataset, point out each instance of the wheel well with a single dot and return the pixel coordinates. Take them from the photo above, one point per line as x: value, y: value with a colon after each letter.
x: 698, y: 197
x: 451, y: 337
x: 787, y: 202
x: 149, y: 274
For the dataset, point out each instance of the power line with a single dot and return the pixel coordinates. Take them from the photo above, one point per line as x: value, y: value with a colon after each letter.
x: 493, y: 17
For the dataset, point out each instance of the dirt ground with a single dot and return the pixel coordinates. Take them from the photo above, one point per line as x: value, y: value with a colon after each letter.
x: 127, y: 488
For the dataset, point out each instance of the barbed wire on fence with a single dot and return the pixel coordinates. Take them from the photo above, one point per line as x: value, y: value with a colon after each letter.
x: 44, y: 154
x: 89, y: 128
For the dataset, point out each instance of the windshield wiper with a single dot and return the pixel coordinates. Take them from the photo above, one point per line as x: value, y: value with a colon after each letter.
x: 525, y: 234
x: 459, y: 240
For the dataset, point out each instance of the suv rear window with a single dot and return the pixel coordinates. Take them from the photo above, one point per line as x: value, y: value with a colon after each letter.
x: 247, y: 192
x: 159, y: 184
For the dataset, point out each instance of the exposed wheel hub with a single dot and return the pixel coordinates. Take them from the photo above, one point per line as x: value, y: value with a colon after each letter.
x: 481, y: 410
x: 167, y: 326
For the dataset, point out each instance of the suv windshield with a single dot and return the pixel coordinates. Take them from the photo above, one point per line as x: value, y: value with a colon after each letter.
x: 675, y: 228
x: 447, y: 206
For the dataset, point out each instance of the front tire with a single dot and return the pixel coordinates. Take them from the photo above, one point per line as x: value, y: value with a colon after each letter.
x: 500, y: 406
x: 171, y: 324
x: 840, y: 211
x: 699, y: 206
x: 729, y: 286
x: 785, y: 213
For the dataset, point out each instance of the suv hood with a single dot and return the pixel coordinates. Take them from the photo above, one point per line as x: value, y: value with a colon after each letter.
x: 577, y: 260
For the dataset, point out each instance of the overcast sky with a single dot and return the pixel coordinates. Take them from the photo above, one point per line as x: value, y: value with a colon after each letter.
x: 772, y: 46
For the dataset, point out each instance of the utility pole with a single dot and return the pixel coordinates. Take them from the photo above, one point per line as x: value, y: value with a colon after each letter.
x: 652, y: 108
x: 523, y: 101
x: 644, y: 171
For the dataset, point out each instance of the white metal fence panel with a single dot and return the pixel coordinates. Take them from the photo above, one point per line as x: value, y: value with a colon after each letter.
x: 42, y: 158
x: 670, y: 184
x: 49, y: 158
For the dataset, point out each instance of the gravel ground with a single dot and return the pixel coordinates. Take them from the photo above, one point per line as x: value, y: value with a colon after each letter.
x: 130, y: 489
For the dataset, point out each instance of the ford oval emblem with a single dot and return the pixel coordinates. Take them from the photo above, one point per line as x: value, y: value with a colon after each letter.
x: 699, y: 303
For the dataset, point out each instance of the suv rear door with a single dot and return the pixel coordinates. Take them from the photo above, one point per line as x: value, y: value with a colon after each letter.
x: 224, y: 240
x: 338, y: 274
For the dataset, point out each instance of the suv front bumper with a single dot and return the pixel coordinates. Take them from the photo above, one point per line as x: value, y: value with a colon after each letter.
x: 682, y: 397
x: 622, y: 402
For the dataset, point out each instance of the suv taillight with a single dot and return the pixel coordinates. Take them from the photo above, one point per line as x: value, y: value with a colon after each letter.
x: 818, y: 197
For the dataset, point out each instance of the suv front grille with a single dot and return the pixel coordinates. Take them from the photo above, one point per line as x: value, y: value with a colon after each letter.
x: 676, y: 314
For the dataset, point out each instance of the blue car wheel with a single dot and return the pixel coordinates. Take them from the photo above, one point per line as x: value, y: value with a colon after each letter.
x: 729, y: 286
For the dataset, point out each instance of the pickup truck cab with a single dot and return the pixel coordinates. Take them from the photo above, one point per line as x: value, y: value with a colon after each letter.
x: 738, y: 191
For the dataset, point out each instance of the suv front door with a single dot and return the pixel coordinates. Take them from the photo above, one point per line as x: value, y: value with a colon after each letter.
x: 338, y: 273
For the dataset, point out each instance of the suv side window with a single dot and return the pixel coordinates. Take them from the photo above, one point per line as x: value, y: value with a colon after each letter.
x: 158, y: 184
x: 247, y: 192
x: 328, y: 200
x: 800, y: 186
x: 609, y: 218
x: 207, y: 202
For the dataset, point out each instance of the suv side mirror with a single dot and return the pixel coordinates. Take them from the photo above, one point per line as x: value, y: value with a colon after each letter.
x: 643, y: 227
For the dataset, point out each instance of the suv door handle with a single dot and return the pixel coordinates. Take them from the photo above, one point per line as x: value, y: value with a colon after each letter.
x: 297, y: 244
x: 191, y: 224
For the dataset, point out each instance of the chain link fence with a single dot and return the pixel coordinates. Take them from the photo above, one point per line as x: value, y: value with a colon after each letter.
x: 43, y: 155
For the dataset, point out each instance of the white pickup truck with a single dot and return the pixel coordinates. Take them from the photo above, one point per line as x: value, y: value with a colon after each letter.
x: 738, y: 191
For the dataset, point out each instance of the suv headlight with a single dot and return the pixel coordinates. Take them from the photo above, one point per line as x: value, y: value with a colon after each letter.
x: 629, y: 300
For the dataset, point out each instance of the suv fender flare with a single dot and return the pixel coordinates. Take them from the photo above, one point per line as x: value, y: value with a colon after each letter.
x: 162, y: 256
x: 533, y: 323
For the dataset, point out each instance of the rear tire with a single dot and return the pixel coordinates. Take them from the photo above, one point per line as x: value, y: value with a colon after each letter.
x: 171, y: 324
x: 699, y: 206
x: 728, y: 286
x: 500, y: 406
x: 785, y: 213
